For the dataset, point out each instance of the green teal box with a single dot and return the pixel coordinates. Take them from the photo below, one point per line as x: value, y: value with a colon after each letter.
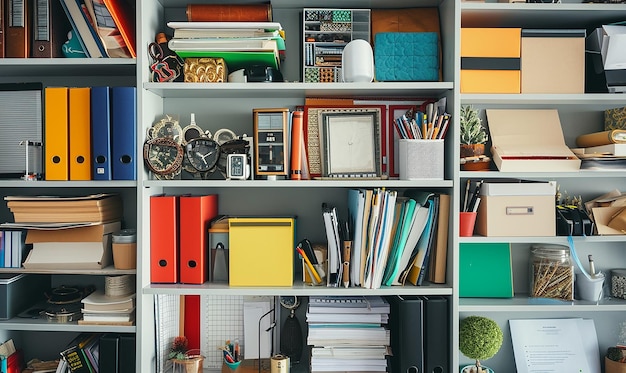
x: 406, y: 56
x: 485, y: 270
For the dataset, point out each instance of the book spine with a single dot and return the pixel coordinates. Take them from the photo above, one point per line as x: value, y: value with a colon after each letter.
x: 229, y: 12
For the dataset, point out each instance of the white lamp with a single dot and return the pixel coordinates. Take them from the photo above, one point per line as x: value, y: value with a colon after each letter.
x: 357, y: 62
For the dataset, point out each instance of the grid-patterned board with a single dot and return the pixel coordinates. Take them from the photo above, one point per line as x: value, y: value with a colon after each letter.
x: 167, y: 318
x: 222, y: 320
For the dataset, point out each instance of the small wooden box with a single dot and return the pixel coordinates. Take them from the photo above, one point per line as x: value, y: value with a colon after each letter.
x: 205, y: 70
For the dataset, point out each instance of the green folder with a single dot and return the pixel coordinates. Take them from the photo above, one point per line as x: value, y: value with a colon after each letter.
x: 485, y: 270
x: 236, y: 60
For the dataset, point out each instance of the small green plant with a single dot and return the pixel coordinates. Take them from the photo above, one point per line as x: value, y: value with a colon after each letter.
x: 471, y: 127
x: 480, y: 338
x: 179, y: 348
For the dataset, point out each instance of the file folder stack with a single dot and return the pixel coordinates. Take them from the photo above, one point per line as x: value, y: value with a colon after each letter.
x: 348, y: 332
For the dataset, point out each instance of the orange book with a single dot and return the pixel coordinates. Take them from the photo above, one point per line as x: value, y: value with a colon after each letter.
x: 56, y: 134
x: 196, y: 212
x: 80, y: 133
x: 124, y: 18
x: 164, y: 239
x: 297, y: 134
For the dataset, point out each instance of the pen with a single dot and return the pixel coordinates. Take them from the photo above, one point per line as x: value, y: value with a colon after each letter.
x: 312, y: 270
x: 466, y: 199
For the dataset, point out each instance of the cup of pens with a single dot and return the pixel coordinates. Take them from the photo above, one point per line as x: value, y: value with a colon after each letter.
x: 232, y: 356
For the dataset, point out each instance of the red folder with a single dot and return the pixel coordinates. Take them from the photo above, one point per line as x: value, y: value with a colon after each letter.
x: 164, y: 239
x: 191, y: 326
x: 196, y: 213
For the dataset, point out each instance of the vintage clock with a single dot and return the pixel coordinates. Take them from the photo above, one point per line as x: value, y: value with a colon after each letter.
x: 166, y: 127
x: 164, y: 157
x: 270, y: 136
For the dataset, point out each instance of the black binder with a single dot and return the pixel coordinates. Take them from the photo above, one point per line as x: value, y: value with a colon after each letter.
x: 127, y: 354
x: 436, y: 334
x: 407, y: 339
x: 109, y: 353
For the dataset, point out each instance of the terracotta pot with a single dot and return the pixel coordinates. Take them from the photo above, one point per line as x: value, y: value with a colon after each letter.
x: 472, y: 150
x: 611, y: 366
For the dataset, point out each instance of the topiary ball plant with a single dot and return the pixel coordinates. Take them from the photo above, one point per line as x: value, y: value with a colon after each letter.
x: 480, y: 338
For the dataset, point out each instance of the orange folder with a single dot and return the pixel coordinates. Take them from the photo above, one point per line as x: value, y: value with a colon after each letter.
x: 56, y: 134
x: 297, y: 133
x: 196, y: 213
x: 80, y: 133
x: 164, y: 239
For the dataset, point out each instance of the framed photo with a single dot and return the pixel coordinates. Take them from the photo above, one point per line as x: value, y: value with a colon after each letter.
x: 313, y: 129
x: 351, y: 144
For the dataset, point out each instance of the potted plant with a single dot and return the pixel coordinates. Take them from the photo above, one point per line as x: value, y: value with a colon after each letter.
x: 473, y: 136
x: 185, y: 360
x: 615, y: 358
x: 480, y: 338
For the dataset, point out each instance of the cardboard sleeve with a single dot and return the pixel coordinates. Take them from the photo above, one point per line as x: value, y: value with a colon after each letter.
x: 601, y: 138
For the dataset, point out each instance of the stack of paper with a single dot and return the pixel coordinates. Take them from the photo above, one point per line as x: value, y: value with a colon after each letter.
x: 95, y: 208
x: 348, y: 332
x: 240, y: 44
x: 99, y: 308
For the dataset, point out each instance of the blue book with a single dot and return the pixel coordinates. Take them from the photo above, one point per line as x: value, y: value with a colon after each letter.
x: 1, y: 250
x: 123, y: 132
x: 101, y: 133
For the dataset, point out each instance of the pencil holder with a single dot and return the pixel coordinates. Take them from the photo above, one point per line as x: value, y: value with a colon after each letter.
x: 420, y: 159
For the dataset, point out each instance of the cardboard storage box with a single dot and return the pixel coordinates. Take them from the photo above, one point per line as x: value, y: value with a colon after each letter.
x: 526, y: 140
x: 420, y: 159
x: 261, y: 251
x: 20, y: 291
x: 553, y: 61
x: 508, y: 209
x: 490, y: 60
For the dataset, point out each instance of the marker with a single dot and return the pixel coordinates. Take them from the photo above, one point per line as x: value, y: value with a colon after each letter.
x: 592, y: 267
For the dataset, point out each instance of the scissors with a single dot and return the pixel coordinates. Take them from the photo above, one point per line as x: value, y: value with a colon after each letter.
x: 160, y: 70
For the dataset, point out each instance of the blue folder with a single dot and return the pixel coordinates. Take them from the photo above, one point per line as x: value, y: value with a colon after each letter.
x: 123, y: 132
x: 101, y: 133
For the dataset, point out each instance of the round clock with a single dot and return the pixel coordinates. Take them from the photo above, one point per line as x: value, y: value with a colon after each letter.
x: 163, y: 156
x: 202, y: 154
x: 167, y: 127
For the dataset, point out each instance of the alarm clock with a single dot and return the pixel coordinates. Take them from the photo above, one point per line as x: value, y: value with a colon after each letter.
x: 237, y: 167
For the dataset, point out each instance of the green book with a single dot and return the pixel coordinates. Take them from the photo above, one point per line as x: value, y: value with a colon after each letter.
x: 485, y: 270
x: 235, y: 60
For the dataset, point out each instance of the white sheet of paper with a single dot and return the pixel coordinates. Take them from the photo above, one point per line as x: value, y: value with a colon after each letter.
x: 252, y: 313
x: 555, y: 345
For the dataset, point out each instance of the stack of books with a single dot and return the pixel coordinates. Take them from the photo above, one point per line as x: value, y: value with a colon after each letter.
x: 240, y: 44
x: 99, y: 308
x: 66, y: 232
x: 348, y: 332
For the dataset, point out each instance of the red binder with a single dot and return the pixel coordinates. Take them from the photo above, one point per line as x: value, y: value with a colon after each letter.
x: 164, y: 239
x: 196, y: 213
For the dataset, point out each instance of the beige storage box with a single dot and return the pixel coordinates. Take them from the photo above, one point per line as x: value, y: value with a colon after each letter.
x: 517, y: 210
